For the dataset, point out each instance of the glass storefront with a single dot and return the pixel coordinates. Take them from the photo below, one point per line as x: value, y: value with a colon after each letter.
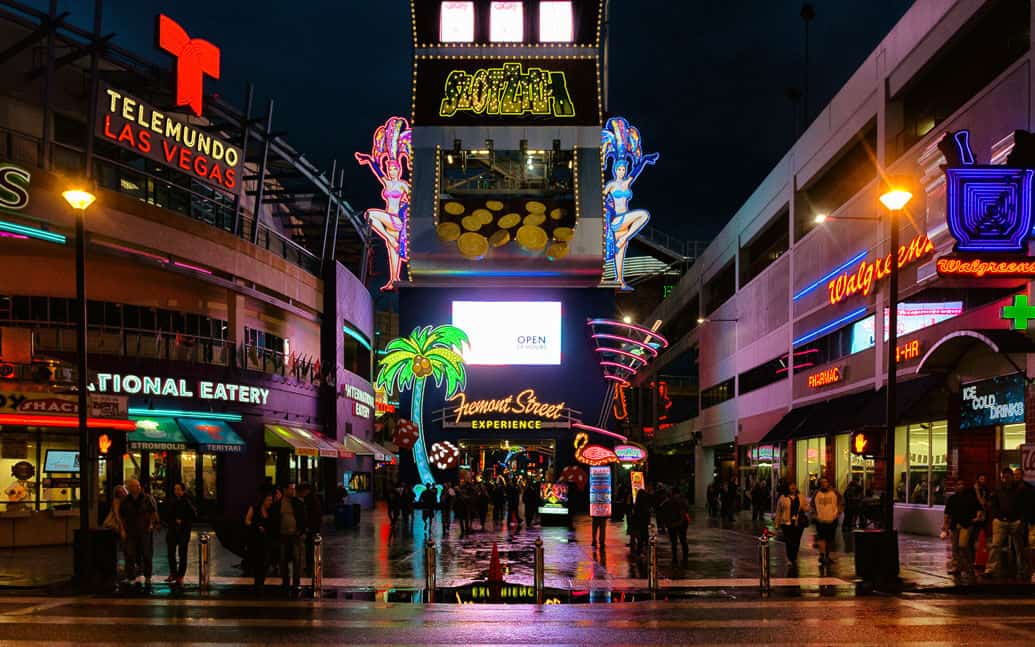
x: 27, y: 482
x: 921, y: 463
x: 811, y: 463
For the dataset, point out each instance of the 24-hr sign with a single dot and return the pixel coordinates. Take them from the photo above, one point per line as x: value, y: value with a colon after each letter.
x: 166, y: 138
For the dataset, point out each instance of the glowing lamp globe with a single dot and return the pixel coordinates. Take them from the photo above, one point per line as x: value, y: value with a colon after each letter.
x: 896, y: 199
x: 79, y: 199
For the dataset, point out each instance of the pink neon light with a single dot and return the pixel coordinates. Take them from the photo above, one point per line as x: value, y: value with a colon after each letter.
x: 626, y: 340
x: 615, y: 378
x: 584, y: 427
x: 605, y: 362
x: 130, y: 250
x: 7, y: 234
x: 188, y: 266
x: 646, y: 331
x: 616, y: 351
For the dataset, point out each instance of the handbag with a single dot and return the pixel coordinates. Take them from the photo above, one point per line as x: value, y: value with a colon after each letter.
x: 111, y: 522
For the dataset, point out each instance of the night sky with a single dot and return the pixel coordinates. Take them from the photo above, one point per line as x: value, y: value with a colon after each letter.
x: 704, y: 80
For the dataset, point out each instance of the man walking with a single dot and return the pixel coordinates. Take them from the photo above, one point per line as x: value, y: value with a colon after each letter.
x: 291, y: 522
x: 675, y: 513
x: 140, y: 517
x: 181, y: 514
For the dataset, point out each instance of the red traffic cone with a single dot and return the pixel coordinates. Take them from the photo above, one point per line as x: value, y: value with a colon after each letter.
x: 495, y: 570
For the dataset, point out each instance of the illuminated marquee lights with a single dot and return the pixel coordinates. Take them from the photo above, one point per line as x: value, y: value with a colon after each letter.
x: 524, y: 402
x: 626, y: 340
x: 618, y: 351
x: 862, y: 280
x: 975, y: 267
x: 826, y: 377
x: 593, y: 455
x: 809, y: 336
x: 507, y: 90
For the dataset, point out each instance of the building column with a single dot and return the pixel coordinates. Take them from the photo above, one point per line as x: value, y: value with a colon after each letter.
x: 704, y: 469
x: 235, y: 323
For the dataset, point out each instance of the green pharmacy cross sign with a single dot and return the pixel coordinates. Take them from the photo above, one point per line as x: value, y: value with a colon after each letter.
x: 1020, y: 313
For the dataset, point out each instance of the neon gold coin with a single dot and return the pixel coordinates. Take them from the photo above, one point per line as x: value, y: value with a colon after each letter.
x: 532, y: 238
x: 500, y: 238
x: 535, y: 207
x: 471, y: 223
x: 473, y: 246
x: 448, y: 231
x: 483, y: 215
x: 495, y: 205
x: 509, y: 220
x: 558, y: 213
x: 563, y: 234
x: 557, y: 250
x: 535, y: 219
x: 454, y: 208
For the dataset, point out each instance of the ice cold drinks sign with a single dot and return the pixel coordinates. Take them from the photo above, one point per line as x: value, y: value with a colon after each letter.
x: 997, y: 401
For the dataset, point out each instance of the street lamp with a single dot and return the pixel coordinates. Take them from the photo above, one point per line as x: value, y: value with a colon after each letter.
x: 703, y: 320
x: 80, y: 199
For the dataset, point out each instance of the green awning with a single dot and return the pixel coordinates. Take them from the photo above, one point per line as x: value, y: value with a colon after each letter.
x: 212, y: 436
x: 156, y: 434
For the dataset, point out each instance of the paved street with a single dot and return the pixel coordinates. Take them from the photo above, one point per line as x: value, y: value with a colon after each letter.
x: 874, y: 620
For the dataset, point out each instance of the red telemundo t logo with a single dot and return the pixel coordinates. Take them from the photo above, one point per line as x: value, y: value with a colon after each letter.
x: 195, y: 57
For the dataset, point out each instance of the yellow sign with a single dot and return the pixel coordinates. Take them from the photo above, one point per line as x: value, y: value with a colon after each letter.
x: 507, y: 90
x: 524, y: 402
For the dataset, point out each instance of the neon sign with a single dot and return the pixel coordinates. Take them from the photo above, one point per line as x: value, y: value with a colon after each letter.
x: 593, y: 455
x: 524, y: 402
x: 630, y: 453
x: 178, y: 388
x: 164, y: 138
x: 909, y: 350
x: 1019, y: 313
x: 195, y: 59
x: 14, y: 187
x: 392, y: 149
x: 507, y: 90
x: 826, y: 377
x: 948, y: 266
x: 862, y: 280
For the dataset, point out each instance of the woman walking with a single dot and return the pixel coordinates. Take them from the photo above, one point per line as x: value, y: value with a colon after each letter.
x: 260, y: 522
x: 791, y: 517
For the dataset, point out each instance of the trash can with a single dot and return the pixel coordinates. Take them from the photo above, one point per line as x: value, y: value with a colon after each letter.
x: 342, y: 516
x: 876, y: 558
x: 96, y: 560
x: 356, y: 508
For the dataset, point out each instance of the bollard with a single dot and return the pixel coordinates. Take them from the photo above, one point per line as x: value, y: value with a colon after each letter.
x: 203, y: 557
x: 652, y: 562
x: 763, y: 562
x: 317, y: 566
x: 429, y: 569
x: 540, y: 570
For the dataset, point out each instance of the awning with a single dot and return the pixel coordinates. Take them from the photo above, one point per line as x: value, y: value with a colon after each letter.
x: 156, y: 434
x: 788, y: 425
x: 300, y: 441
x: 752, y: 428
x: 211, y: 436
x: 367, y: 448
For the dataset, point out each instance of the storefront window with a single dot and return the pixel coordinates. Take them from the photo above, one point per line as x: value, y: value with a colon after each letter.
x: 189, y: 473
x: 132, y: 466
x: 159, y: 475
x: 357, y: 481
x: 924, y: 462
x: 842, y: 461
x: 208, y: 476
x: 1013, y: 436
x: 270, y: 471
x: 811, y: 458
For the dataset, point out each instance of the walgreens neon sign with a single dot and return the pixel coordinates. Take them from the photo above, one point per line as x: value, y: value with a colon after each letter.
x: 862, y: 279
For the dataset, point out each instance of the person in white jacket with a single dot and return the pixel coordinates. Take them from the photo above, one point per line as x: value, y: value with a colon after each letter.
x: 827, y: 506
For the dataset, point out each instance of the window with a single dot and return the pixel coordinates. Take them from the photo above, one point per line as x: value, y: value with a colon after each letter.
x: 853, y: 169
x: 763, y: 375
x: 767, y: 246
x: 1013, y: 436
x: 717, y: 394
x: 356, y: 358
x: 555, y: 22
x: 507, y: 22
x: 456, y: 24
x: 811, y: 459
x: 921, y: 463
x: 720, y: 287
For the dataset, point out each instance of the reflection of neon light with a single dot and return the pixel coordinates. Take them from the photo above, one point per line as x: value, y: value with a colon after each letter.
x: 32, y: 232
x: 605, y: 362
x: 626, y: 340
x: 130, y: 250
x: 833, y: 324
x: 623, y: 353
x: 188, y: 266
x: 177, y: 413
x: 355, y: 334
x: 646, y: 331
x: 831, y: 274
x: 585, y: 427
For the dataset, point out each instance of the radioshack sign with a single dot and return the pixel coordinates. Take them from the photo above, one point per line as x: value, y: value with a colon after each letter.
x: 168, y: 139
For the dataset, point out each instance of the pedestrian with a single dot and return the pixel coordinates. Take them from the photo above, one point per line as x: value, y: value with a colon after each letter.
x: 729, y: 500
x: 461, y: 509
x: 641, y: 514
x: 313, y: 523
x: 406, y: 501
x: 675, y: 513
x: 759, y: 501
x: 531, y: 500
x: 139, y: 515
x: 962, y: 515
x: 446, y: 505
x: 482, y: 503
x: 113, y: 521
x: 393, y: 501
x: 513, y: 502
x: 180, y: 515
x: 792, y: 519
x: 499, y: 503
x: 826, y: 507
x: 291, y: 527
x: 428, y: 503
x: 1008, y: 534
x: 261, y: 523
x: 853, y: 503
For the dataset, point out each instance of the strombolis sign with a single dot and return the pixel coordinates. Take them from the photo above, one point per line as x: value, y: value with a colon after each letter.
x: 179, y: 388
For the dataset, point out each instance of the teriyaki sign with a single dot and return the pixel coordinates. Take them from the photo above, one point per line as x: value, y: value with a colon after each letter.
x: 997, y: 401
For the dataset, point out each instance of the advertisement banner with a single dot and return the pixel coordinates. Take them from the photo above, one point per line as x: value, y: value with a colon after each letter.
x: 600, y: 491
x: 997, y: 401
x: 1028, y: 462
x: 636, y: 479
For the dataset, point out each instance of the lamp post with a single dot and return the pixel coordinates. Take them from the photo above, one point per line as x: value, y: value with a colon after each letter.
x: 80, y: 199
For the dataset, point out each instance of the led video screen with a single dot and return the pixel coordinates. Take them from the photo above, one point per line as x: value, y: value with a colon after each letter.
x: 510, y: 333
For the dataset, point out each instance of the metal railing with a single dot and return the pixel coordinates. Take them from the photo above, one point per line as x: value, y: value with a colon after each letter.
x: 215, y: 209
x: 128, y: 342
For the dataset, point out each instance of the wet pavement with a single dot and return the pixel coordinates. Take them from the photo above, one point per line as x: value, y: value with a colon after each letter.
x: 376, y: 556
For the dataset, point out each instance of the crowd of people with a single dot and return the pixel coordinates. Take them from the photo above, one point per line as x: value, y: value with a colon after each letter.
x: 514, y: 501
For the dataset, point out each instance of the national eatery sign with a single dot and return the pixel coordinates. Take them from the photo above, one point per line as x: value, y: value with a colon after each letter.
x: 167, y: 139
